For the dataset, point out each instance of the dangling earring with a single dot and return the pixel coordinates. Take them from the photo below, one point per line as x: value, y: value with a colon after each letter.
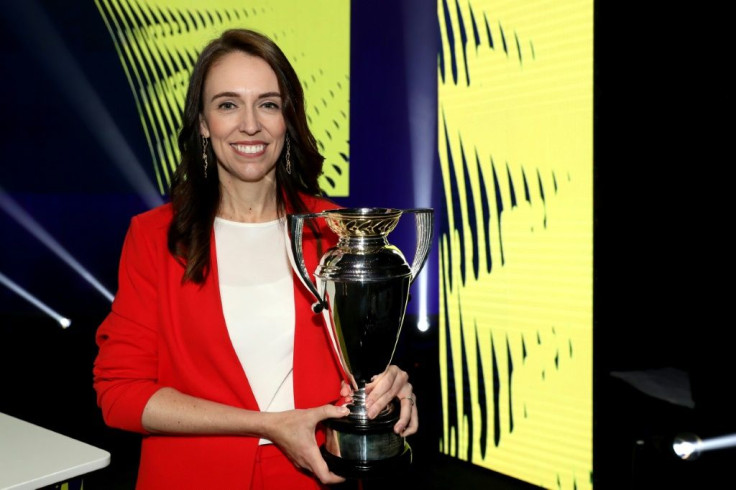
x: 204, y: 154
x: 288, y: 155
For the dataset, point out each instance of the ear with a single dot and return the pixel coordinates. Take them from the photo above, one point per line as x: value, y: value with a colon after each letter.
x: 203, y: 129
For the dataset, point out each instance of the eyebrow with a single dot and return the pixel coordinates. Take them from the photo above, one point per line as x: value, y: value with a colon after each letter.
x: 234, y: 94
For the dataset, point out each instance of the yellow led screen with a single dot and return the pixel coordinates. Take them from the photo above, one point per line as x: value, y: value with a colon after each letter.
x: 515, y: 134
x: 159, y: 40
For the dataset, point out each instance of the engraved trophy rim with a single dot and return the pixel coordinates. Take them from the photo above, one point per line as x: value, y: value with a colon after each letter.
x: 363, y: 223
x: 365, y: 212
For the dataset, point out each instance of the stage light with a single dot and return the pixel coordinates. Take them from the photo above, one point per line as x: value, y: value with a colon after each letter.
x: 422, y: 108
x: 30, y: 224
x: 49, y: 47
x: 423, y: 323
x: 689, y: 446
x: 10, y: 284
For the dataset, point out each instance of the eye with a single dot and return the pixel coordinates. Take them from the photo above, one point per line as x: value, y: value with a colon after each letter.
x: 269, y: 104
x: 226, y: 105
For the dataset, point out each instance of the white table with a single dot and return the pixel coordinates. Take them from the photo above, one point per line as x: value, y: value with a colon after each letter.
x: 32, y: 457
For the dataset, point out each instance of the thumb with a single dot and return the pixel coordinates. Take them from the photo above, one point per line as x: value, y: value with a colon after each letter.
x: 333, y: 412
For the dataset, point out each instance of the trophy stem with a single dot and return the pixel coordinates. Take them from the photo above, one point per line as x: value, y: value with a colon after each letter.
x: 357, y: 407
x: 362, y: 244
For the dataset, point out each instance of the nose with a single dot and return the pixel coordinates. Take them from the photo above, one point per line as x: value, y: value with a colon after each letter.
x: 250, y: 124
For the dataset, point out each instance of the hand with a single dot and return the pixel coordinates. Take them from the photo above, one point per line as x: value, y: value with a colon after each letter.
x: 385, y: 387
x: 293, y: 431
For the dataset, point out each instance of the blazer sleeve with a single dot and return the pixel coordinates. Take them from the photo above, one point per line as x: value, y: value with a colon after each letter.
x: 125, y: 370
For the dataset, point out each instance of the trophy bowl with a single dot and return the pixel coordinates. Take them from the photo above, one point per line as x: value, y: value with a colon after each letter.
x: 362, y: 289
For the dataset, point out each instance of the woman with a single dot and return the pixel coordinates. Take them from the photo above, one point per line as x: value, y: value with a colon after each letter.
x: 211, y: 350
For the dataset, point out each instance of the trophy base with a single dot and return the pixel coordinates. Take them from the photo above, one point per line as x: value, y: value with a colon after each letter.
x: 366, y: 449
x: 365, y: 469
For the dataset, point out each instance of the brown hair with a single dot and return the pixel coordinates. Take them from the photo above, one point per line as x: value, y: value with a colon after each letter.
x: 196, y: 198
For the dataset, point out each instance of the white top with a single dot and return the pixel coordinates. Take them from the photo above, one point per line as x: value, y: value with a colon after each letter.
x: 33, y: 457
x: 257, y: 292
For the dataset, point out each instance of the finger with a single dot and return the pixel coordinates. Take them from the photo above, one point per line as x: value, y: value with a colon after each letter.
x: 375, y: 381
x: 413, y: 426
x: 332, y: 479
x: 345, y: 389
x: 320, y: 469
x: 384, y: 380
x: 386, y: 389
x: 406, y: 415
x: 379, y: 403
x: 346, y: 393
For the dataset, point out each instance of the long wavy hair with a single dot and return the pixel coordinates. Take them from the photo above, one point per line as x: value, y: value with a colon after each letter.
x: 195, y: 197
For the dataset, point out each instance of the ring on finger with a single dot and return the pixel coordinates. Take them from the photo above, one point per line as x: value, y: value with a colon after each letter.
x: 411, y: 399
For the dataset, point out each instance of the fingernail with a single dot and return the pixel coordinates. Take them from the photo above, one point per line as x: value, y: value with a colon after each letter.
x: 399, y: 429
x: 345, y: 410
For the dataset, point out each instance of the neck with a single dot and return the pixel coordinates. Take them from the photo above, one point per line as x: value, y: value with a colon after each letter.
x: 248, y: 202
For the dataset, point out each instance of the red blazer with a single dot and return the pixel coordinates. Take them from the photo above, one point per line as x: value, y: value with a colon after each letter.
x: 161, y: 332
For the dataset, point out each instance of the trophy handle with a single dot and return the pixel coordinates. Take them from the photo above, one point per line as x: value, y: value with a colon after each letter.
x: 424, y: 219
x: 296, y: 256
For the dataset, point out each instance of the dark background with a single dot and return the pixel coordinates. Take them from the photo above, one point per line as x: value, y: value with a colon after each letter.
x: 662, y: 247
x: 662, y: 202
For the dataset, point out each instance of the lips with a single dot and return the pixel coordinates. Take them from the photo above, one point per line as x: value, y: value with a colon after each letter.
x: 249, y: 148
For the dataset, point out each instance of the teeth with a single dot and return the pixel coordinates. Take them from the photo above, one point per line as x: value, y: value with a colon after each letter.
x: 249, y: 148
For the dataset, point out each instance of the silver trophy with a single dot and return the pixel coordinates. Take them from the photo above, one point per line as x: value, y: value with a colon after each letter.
x: 362, y: 289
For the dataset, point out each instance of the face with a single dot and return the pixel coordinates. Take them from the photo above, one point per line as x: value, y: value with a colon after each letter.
x: 242, y: 116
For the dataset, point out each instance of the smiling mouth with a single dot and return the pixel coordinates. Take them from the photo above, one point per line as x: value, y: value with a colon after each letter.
x: 250, y: 149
